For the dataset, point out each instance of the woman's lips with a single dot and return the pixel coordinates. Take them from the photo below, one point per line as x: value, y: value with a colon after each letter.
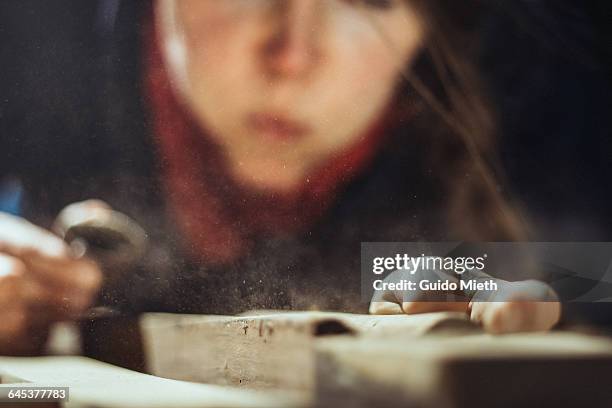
x: 276, y: 127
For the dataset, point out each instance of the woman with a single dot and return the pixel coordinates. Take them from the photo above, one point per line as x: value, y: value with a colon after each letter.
x: 258, y: 142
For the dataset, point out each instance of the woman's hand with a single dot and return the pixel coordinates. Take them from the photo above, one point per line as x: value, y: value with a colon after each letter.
x: 40, y: 283
x: 417, y: 301
x: 515, y: 307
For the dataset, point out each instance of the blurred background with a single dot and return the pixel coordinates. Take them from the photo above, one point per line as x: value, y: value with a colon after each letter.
x: 546, y: 62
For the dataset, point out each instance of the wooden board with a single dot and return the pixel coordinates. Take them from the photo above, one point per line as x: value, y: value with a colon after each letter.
x: 432, y: 360
x: 539, y: 370
x: 96, y: 384
x: 266, y: 350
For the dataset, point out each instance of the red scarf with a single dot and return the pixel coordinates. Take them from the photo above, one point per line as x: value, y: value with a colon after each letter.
x: 218, y: 219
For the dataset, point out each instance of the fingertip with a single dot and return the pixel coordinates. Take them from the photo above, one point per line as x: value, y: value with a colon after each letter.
x: 385, y: 308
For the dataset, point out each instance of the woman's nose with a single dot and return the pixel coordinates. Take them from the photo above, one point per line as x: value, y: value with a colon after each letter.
x: 292, y: 49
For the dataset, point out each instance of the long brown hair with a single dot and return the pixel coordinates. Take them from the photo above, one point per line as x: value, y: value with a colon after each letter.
x: 447, y: 87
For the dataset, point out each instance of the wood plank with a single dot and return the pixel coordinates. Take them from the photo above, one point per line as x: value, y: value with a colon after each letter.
x: 96, y: 384
x: 435, y: 360
x: 255, y: 350
x: 543, y: 370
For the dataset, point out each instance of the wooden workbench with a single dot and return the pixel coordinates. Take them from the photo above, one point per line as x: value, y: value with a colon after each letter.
x: 316, y: 359
x: 430, y: 360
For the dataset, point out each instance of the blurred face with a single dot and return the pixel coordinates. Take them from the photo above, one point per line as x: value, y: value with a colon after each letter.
x: 282, y: 85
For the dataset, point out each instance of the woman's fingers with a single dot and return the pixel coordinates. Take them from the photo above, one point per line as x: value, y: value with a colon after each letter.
x: 22, y: 239
x: 430, y: 307
x: 21, y: 330
x: 519, y: 306
x: 27, y: 308
x: 13, y: 310
x: 14, y: 324
x: 38, y: 249
x: 18, y: 290
x: 517, y: 316
x: 68, y: 289
x: 53, y: 276
x: 414, y: 301
x: 40, y: 282
x: 385, y: 308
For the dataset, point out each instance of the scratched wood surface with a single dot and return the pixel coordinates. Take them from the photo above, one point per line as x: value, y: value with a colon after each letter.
x: 331, y: 359
x: 520, y: 370
x: 433, y: 360
x: 266, y: 350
